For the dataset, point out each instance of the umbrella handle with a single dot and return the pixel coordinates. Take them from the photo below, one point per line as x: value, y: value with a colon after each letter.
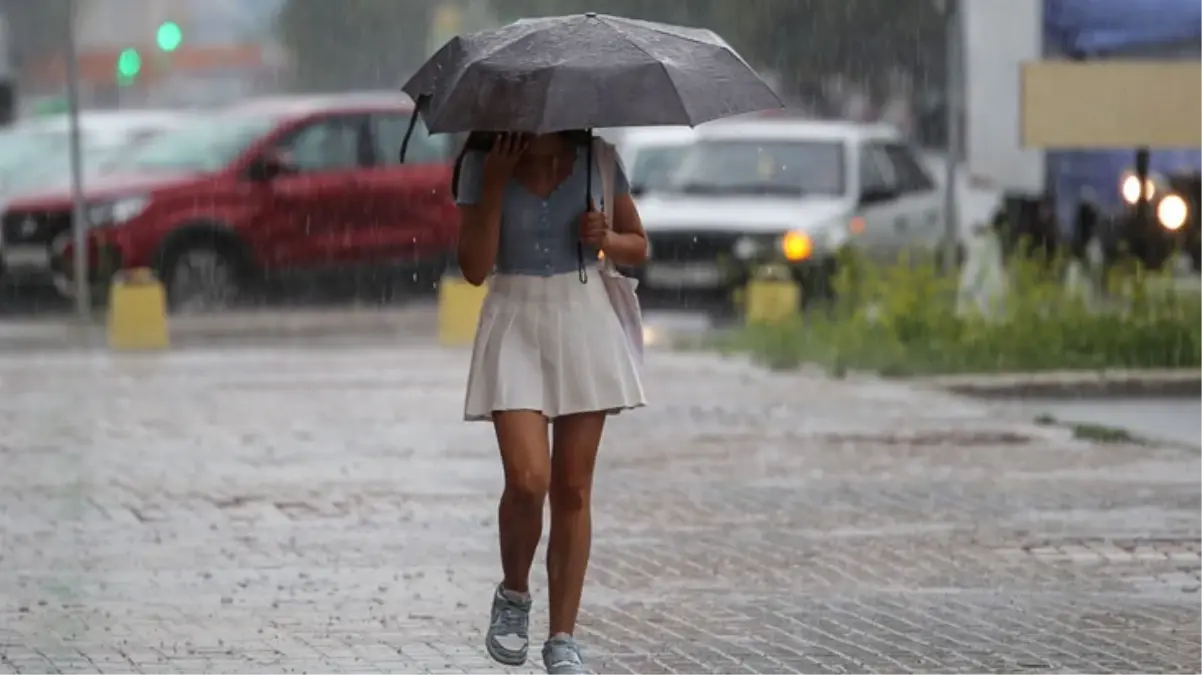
x: 417, y: 106
x: 581, y: 271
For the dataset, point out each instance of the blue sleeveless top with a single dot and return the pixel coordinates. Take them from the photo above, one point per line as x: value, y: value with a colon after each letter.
x: 539, y: 236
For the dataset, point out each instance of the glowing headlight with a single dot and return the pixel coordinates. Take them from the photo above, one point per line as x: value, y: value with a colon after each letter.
x: 1130, y: 188
x: 796, y: 246
x: 115, y: 212
x: 1172, y: 212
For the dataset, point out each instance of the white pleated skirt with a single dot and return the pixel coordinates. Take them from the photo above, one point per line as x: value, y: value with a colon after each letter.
x: 552, y: 345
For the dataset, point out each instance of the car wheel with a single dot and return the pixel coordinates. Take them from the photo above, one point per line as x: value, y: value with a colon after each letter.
x: 202, y: 279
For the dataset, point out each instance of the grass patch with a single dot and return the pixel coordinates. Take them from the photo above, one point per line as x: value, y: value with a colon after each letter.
x: 1100, y: 433
x: 903, y: 320
x: 1094, y: 433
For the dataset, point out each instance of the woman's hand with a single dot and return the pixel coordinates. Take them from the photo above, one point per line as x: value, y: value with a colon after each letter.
x: 594, y: 231
x: 504, y: 156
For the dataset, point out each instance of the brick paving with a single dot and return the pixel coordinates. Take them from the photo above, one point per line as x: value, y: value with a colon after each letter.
x: 323, y: 510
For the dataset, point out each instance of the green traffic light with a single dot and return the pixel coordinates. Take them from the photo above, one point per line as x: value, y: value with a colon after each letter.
x: 169, y: 36
x: 129, y: 63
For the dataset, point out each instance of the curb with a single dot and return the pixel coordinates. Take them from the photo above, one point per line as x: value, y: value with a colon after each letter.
x: 236, y: 328
x: 1073, y: 384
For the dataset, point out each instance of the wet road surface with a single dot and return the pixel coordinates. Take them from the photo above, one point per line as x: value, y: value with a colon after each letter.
x: 325, y: 510
x: 1174, y: 420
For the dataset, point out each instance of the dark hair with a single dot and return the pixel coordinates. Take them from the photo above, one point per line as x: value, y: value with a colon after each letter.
x: 482, y: 141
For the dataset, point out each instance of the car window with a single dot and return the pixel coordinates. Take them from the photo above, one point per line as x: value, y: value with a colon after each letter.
x: 204, y: 145
x: 874, y: 170
x: 325, y: 145
x: 761, y: 166
x: 911, y: 175
x: 653, y: 165
x: 388, y: 132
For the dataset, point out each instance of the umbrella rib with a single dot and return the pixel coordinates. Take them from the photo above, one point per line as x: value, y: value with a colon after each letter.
x: 687, y: 38
x: 683, y: 108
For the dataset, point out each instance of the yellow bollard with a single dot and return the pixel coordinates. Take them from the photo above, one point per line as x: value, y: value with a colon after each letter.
x: 137, y: 316
x: 459, y: 306
x: 771, y: 295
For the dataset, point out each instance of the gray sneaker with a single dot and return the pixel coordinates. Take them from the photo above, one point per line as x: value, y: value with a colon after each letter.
x: 508, y: 639
x: 561, y: 656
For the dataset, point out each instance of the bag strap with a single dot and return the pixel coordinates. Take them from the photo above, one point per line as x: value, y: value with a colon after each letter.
x: 606, y: 162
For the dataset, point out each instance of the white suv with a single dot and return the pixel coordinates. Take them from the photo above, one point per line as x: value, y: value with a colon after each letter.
x: 789, y: 190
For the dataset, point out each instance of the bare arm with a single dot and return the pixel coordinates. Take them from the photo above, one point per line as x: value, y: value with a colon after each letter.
x: 626, y: 243
x: 481, y: 193
x: 479, y: 232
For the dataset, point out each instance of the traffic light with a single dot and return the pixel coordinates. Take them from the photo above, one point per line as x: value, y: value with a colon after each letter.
x: 169, y: 36
x: 129, y: 64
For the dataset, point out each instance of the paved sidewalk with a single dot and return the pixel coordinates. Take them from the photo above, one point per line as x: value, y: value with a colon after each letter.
x: 412, y: 323
x: 324, y: 510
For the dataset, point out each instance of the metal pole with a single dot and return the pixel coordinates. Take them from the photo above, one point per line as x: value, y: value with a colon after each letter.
x: 955, y: 132
x: 79, y: 224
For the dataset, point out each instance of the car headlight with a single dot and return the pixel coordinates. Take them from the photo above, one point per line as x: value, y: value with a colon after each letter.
x: 115, y: 212
x: 800, y: 245
x: 796, y: 246
x: 1130, y: 188
x: 1172, y: 212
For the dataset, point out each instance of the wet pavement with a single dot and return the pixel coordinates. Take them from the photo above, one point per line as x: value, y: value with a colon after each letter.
x: 1166, y: 419
x: 324, y: 510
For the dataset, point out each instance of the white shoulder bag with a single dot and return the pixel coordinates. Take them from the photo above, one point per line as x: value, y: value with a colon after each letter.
x: 619, y: 287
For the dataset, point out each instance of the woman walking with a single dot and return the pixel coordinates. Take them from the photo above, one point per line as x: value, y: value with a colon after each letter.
x: 550, y: 360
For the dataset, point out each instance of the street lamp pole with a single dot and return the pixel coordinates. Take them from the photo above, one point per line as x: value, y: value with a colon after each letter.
x: 954, y: 97
x: 79, y: 224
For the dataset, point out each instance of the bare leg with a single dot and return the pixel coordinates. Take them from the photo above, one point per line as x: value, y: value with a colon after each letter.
x: 522, y: 437
x: 576, y: 439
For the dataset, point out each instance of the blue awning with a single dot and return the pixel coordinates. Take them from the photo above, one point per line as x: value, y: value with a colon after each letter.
x: 1096, y: 27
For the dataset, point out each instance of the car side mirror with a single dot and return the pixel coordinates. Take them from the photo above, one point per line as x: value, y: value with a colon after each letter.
x: 870, y: 196
x: 269, y: 166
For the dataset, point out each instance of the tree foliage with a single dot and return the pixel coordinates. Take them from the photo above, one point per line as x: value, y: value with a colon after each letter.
x: 345, y: 44
x: 801, y: 40
x: 341, y: 45
x: 36, y: 28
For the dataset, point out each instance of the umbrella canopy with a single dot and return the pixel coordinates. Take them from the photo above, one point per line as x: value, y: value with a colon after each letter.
x: 582, y: 72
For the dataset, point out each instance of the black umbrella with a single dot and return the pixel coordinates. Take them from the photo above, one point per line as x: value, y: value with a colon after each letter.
x: 582, y: 72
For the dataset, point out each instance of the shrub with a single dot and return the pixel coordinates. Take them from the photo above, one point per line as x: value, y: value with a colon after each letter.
x: 903, y: 319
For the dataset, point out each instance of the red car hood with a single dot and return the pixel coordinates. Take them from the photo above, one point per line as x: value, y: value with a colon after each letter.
x: 98, y: 188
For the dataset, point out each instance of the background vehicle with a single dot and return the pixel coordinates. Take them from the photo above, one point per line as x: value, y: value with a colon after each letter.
x: 35, y: 155
x: 1091, y: 191
x: 263, y: 189
x: 787, y: 190
x: 650, y: 154
x: 48, y: 138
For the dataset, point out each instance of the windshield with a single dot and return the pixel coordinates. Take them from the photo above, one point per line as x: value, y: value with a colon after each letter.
x: 654, y: 164
x: 206, y: 146
x: 762, y: 166
x: 55, y: 170
x: 20, y: 146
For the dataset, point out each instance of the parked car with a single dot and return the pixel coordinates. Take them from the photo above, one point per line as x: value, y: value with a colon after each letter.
x: 790, y: 191
x: 36, y: 155
x: 41, y: 138
x: 283, y: 185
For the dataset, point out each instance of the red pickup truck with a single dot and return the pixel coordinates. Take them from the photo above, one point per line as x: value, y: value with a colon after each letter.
x: 269, y: 187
